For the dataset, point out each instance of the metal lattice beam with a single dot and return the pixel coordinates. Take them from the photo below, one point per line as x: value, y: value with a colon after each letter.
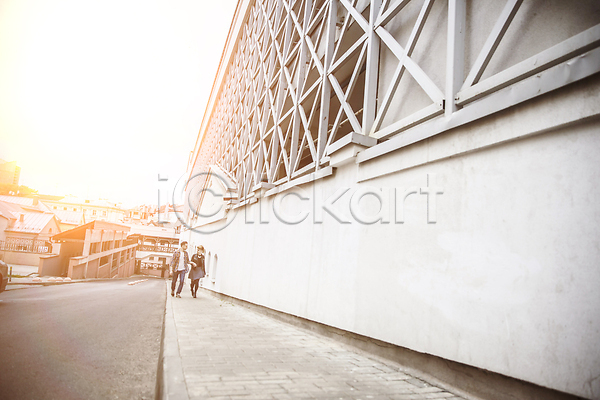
x: 303, y: 74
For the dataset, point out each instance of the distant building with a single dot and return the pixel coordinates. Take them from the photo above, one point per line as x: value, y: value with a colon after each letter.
x: 169, y: 216
x: 9, y: 172
x: 25, y: 232
x: 91, y: 210
x: 95, y: 250
x: 67, y: 219
x: 156, y: 246
x: 27, y: 221
x: 140, y: 215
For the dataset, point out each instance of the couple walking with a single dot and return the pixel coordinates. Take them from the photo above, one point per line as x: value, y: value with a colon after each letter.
x: 180, y: 263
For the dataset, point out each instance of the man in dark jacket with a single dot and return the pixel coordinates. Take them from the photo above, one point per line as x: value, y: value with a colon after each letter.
x: 197, y: 271
x: 179, y: 264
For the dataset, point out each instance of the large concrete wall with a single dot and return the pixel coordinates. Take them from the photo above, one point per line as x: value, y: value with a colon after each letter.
x: 505, y: 279
x: 501, y: 273
x: 22, y: 258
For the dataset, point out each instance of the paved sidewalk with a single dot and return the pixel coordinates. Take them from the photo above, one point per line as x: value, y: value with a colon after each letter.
x: 216, y: 350
x: 24, y: 270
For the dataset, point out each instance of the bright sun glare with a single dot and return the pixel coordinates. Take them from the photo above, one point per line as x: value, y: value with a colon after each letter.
x: 99, y: 97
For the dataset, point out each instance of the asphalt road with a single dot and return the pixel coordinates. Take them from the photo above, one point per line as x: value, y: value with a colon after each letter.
x: 92, y: 340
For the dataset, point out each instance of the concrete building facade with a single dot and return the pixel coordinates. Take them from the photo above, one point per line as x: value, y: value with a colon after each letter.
x: 420, y: 173
x: 91, y: 210
x: 95, y: 250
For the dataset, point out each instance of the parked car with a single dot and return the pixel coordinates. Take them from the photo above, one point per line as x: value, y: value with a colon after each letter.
x: 3, y: 275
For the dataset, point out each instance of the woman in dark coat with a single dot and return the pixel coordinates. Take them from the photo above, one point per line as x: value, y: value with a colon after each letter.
x: 197, y: 272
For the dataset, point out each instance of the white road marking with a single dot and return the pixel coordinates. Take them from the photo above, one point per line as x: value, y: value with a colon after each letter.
x: 136, y: 282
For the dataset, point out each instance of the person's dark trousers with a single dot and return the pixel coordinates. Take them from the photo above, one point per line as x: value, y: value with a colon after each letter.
x: 177, y: 276
x: 194, y: 286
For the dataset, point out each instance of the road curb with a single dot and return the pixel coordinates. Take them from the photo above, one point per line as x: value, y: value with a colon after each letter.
x: 160, y: 384
x: 170, y: 382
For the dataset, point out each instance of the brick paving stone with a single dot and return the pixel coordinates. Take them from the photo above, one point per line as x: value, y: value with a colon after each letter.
x: 407, y: 397
x: 395, y: 376
x: 230, y: 352
x: 417, y: 382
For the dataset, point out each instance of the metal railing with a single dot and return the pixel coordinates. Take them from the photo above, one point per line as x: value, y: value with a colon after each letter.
x: 149, y: 265
x: 24, y: 245
x: 157, y: 248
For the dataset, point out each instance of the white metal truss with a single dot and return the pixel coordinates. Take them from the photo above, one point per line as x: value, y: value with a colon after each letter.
x: 303, y: 74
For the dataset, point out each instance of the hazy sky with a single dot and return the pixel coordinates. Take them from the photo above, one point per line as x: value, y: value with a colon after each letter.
x: 97, y: 97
